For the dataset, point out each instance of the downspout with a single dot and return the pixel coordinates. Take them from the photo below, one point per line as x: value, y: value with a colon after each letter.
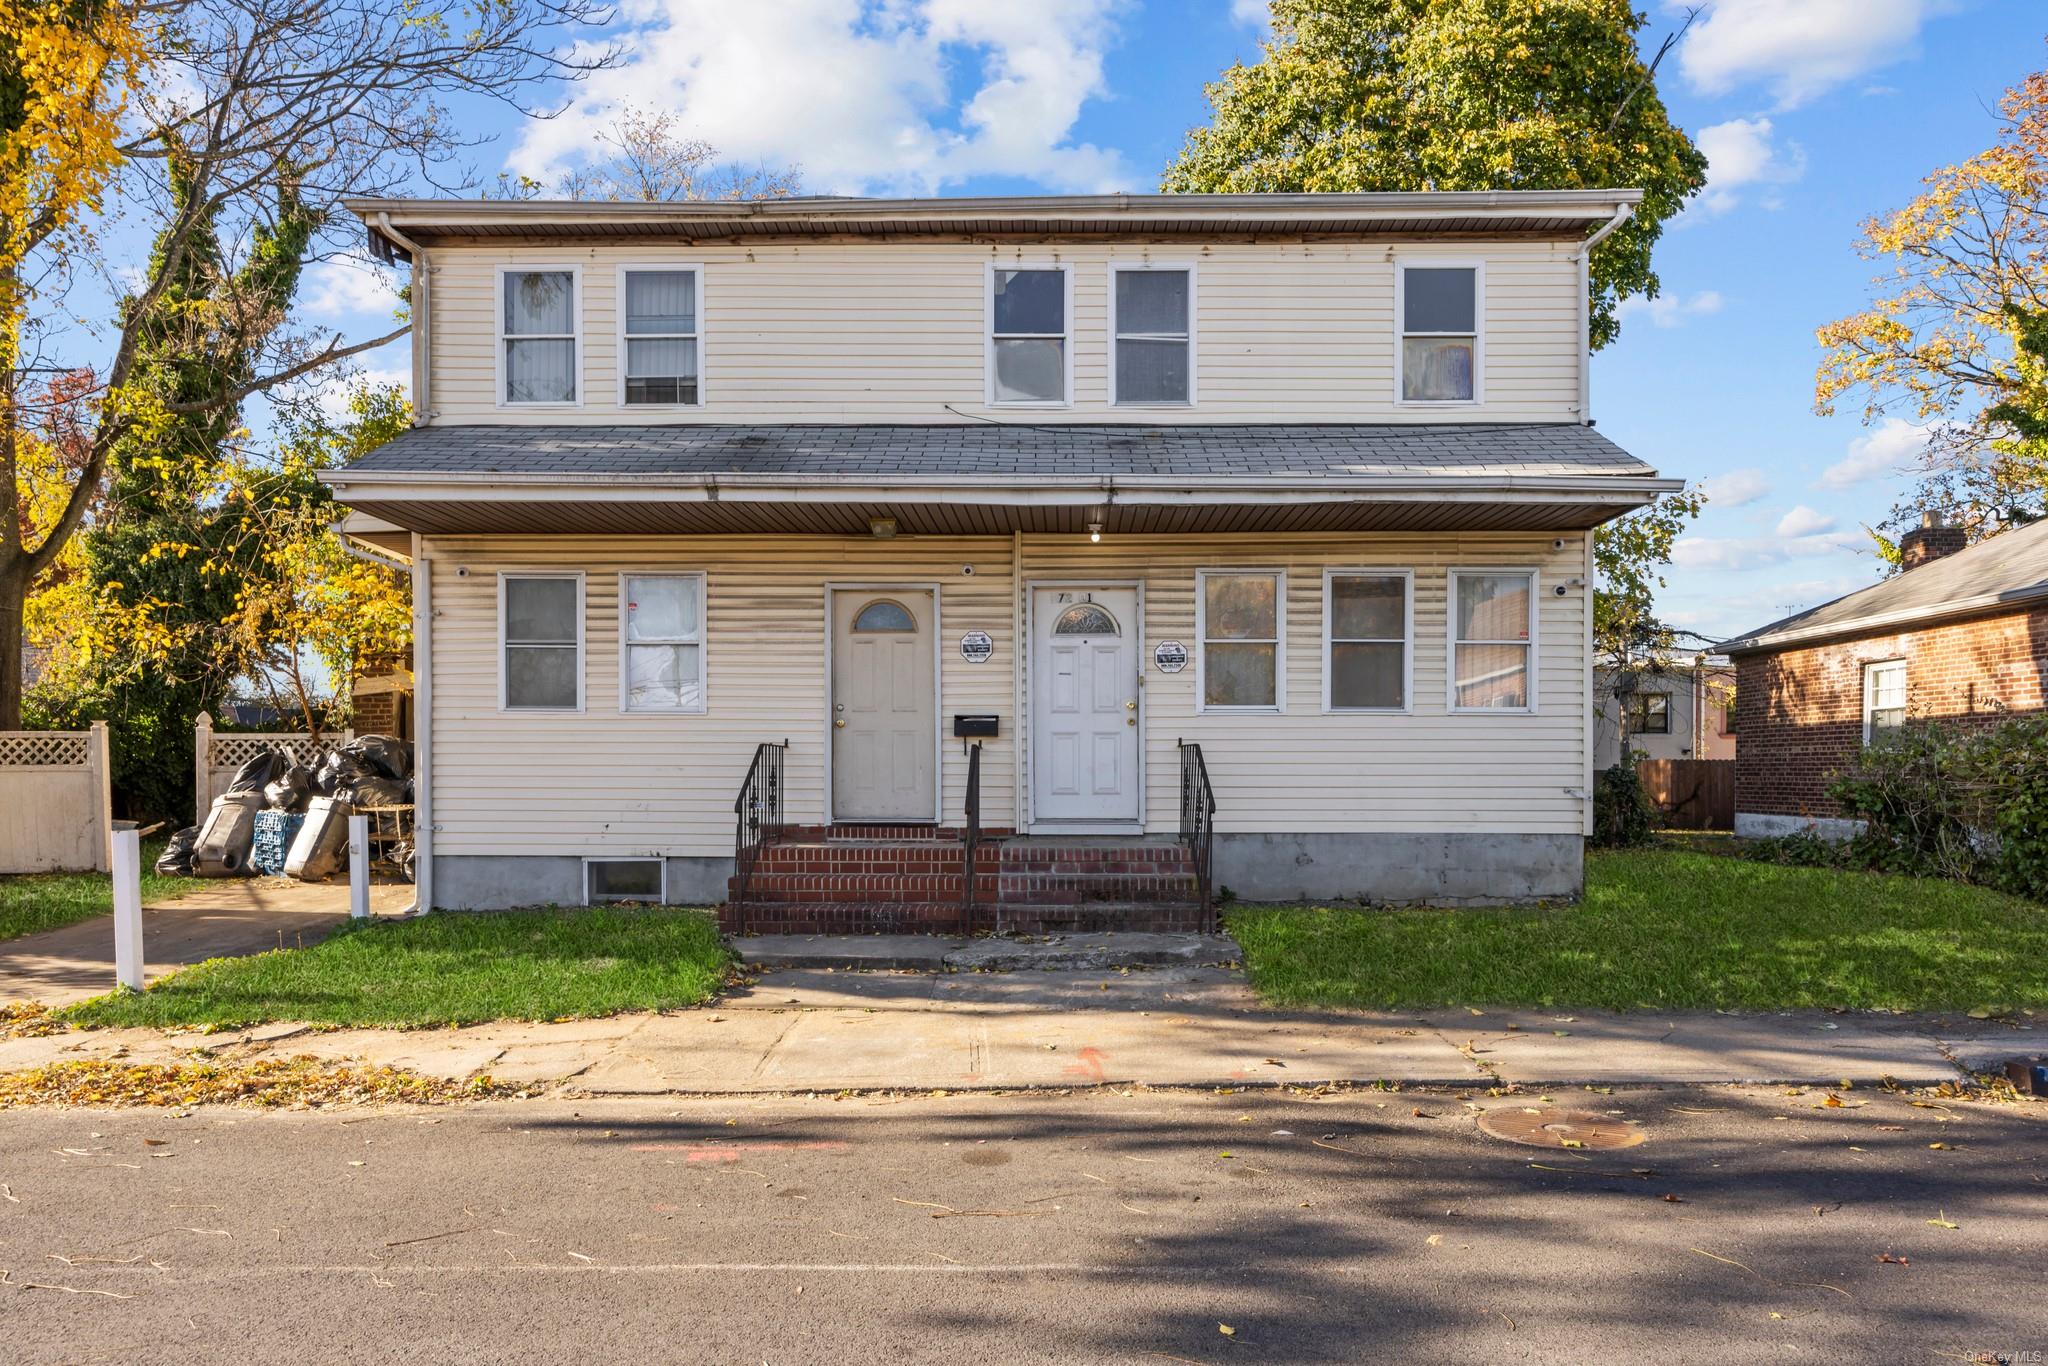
x: 423, y: 725
x: 422, y: 332
x: 1584, y: 256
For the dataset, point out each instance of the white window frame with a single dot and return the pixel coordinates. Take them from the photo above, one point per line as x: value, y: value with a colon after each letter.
x: 988, y: 334
x: 1202, y: 577
x: 506, y: 576
x: 619, y: 328
x: 1407, y: 577
x: 655, y: 859
x: 1135, y: 267
x: 702, y: 642
x: 1451, y: 637
x: 1870, y: 670
x: 575, y: 274
x: 1402, y: 265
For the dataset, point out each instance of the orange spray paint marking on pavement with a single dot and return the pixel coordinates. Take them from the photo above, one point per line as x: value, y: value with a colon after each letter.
x: 1089, y: 1066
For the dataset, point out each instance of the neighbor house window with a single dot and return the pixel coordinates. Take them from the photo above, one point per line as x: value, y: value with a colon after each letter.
x: 658, y: 316
x: 541, y: 625
x: 539, y: 345
x: 1240, y: 628
x: 663, y: 640
x: 1493, y: 615
x: 1649, y: 713
x: 1151, y: 317
x: 1366, y: 617
x: 1884, y: 701
x: 1028, y: 335
x: 1439, y: 308
x: 625, y: 879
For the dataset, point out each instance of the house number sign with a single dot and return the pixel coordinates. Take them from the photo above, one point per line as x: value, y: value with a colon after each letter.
x: 976, y: 647
x: 1170, y: 656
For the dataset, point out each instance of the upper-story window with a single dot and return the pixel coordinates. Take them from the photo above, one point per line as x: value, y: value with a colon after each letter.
x: 1439, y: 307
x: 1028, y: 352
x: 659, y: 330
x: 540, y: 342
x: 1151, y: 319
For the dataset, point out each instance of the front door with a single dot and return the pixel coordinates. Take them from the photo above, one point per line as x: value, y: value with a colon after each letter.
x: 1084, y: 708
x: 884, y: 706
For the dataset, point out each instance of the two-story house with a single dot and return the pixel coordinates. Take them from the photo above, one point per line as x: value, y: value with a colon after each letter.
x: 782, y: 542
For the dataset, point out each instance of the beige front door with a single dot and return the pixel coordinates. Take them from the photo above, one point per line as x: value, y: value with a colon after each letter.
x: 884, y: 705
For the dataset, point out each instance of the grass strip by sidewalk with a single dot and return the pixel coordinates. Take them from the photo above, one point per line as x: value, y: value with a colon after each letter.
x: 1670, y: 929
x: 48, y: 901
x: 445, y: 969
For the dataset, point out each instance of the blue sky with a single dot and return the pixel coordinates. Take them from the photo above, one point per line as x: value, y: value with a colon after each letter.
x: 1814, y: 113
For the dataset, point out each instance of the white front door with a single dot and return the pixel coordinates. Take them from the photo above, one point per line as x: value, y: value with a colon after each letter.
x: 1084, y: 705
x: 884, y: 706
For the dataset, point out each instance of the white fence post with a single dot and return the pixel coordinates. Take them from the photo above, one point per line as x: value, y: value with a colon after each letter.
x: 202, y: 767
x: 359, y: 867
x: 100, y: 766
x: 127, y: 860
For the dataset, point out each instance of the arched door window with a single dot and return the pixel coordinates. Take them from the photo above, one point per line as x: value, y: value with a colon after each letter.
x: 1085, y: 619
x: 884, y: 614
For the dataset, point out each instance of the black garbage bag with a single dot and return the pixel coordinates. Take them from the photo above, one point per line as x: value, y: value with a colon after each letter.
x: 378, y: 792
x: 338, y: 772
x: 290, y: 790
x: 176, y: 859
x: 259, y: 772
x: 386, y: 756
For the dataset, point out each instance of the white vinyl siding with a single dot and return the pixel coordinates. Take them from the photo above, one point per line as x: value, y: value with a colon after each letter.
x: 1884, y: 700
x: 1492, y: 639
x: 1368, y: 639
x: 540, y: 336
x: 661, y: 633
x: 540, y: 642
x: 1241, y: 623
x: 1151, y: 336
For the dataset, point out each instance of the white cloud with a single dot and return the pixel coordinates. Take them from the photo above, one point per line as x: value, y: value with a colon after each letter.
x: 1741, y: 153
x: 1254, y: 13
x: 1669, y: 310
x: 1805, y: 521
x: 1735, y: 489
x: 345, y: 286
x: 1880, y: 454
x: 855, y: 93
x: 1756, y: 552
x: 1799, y: 48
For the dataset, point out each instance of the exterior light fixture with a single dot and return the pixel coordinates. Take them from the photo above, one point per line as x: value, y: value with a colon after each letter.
x: 882, y: 528
x: 1095, y: 531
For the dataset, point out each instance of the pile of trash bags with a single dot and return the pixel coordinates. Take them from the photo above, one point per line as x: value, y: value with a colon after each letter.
x: 368, y: 772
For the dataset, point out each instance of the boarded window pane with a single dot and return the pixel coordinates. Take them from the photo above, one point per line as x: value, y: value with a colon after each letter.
x: 1493, y: 607
x: 1366, y: 675
x: 1439, y: 299
x: 1436, y: 369
x: 538, y: 303
x: 1151, y: 371
x: 1152, y: 301
x: 1493, y: 676
x: 540, y: 675
x: 664, y: 676
x: 661, y: 301
x: 1031, y: 301
x: 625, y: 880
x: 1363, y: 608
x: 1238, y: 675
x: 1033, y: 371
x: 1240, y: 607
x: 661, y: 607
x: 540, y: 611
x: 540, y: 372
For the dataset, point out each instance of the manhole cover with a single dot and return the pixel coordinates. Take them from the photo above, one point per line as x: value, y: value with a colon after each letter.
x: 1559, y: 1128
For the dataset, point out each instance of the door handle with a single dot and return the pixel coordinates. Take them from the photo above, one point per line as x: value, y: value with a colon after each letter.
x: 1131, y: 705
x: 840, y: 723
x: 1130, y: 720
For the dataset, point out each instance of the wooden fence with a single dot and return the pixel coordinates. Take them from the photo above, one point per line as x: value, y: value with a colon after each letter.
x: 216, y: 757
x: 56, y: 801
x: 1693, y: 794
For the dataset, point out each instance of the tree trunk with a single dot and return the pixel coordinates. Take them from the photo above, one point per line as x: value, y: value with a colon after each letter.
x: 13, y: 598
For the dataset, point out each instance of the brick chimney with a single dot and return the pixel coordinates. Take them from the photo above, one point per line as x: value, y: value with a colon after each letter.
x: 1929, y: 541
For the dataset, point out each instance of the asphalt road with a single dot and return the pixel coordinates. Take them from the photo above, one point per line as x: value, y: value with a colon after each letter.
x: 1086, y: 1227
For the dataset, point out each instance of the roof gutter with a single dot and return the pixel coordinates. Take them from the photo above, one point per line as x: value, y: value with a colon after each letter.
x: 422, y: 331
x: 1584, y: 255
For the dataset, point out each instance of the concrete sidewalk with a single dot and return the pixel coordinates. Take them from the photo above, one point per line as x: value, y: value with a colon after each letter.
x: 811, y: 1030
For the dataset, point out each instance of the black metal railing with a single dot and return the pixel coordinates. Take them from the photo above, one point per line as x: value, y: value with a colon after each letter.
x: 757, y: 815
x: 970, y: 838
x: 1198, y: 825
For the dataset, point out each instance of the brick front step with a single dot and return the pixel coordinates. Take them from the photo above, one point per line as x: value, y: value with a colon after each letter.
x: 1054, y: 889
x: 909, y: 917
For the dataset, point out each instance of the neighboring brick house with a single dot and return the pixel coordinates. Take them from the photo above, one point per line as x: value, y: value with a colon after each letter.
x: 381, y: 696
x: 1960, y: 635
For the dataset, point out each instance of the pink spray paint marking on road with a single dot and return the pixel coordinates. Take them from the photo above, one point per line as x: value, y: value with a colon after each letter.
x: 1089, y: 1066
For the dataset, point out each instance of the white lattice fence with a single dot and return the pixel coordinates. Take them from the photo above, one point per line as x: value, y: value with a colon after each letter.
x: 56, y: 800
x: 216, y: 758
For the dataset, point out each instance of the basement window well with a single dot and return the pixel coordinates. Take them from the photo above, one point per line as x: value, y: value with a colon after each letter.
x: 624, y: 879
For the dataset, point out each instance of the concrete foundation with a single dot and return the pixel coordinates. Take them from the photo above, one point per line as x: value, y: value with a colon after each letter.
x: 469, y: 882
x: 1402, y: 869
x: 1753, y: 825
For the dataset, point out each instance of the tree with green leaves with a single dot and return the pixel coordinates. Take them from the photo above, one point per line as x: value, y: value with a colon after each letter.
x: 1456, y: 95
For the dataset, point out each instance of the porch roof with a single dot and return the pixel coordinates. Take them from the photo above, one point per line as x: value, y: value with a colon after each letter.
x: 994, y: 478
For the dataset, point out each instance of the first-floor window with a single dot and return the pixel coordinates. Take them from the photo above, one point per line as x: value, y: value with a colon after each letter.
x: 542, y: 620
x: 1367, y: 618
x: 1884, y: 701
x: 1241, y: 639
x: 664, y: 642
x: 1492, y: 614
x: 1649, y: 713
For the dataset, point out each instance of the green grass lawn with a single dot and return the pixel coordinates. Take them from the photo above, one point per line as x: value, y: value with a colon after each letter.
x: 48, y: 901
x: 1667, y: 928
x: 445, y: 969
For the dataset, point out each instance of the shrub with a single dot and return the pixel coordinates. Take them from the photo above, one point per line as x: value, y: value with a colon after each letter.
x: 1800, y: 849
x: 1623, y: 816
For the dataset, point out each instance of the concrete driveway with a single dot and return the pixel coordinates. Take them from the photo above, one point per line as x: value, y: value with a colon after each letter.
x: 228, y: 919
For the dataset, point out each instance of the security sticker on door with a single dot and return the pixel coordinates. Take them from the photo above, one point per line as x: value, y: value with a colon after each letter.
x: 1170, y: 656
x: 976, y: 647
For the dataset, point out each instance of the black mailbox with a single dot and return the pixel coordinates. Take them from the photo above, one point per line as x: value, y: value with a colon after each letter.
x: 974, y: 727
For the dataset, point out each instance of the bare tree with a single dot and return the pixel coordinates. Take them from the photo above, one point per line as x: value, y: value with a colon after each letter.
x: 646, y: 158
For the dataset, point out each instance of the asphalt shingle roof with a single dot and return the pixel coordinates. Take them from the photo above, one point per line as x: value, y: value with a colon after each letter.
x: 999, y: 450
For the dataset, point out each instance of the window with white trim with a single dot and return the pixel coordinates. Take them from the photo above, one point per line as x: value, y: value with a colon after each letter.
x: 663, y: 642
x: 659, y: 319
x: 541, y: 626
x: 1439, y: 334
x: 1028, y: 335
x: 538, y: 339
x: 1365, y: 620
x: 1152, y: 321
x: 1649, y: 713
x: 1884, y: 701
x: 1493, y: 616
x: 1241, y: 631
